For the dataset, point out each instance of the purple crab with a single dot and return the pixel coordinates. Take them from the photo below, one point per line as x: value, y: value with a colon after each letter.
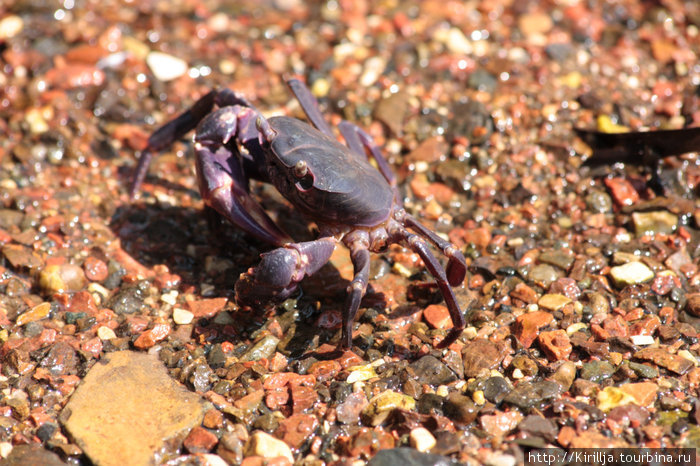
x: 330, y: 183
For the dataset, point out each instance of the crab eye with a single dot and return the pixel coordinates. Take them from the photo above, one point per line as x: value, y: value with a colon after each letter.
x: 305, y: 180
x: 301, y: 169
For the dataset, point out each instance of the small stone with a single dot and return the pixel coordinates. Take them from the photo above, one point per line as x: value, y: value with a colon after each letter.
x: 165, y: 67
x: 200, y: 440
x: 267, y: 446
x: 527, y: 326
x: 182, y: 316
x: 460, y: 408
x: 105, y: 333
x: 296, y: 429
x: 693, y: 304
x: 527, y: 395
x: 385, y: 402
x: 499, y: 424
x: 430, y: 370
x: 597, y: 371
x: 632, y: 273
x: 555, y: 344
x: 621, y: 190
x: 565, y: 375
x: 536, y: 23
x: 10, y: 26
x: 421, y: 439
x: 206, y: 308
x: 652, y: 223
x: 95, y: 269
x: 479, y: 356
x: 361, y: 373
x: 673, y: 362
x: 543, y: 275
x: 264, y: 348
x: 612, y: 397
x: 21, y: 257
x: 642, y: 340
x: 348, y: 412
x: 553, y: 302
x: 437, y: 316
x: 150, y: 337
x: 62, y: 278
x: 539, y: 426
x: 409, y: 457
x: 38, y: 312
x: 561, y: 258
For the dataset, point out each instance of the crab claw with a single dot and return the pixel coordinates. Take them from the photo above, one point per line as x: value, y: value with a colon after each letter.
x: 279, y: 272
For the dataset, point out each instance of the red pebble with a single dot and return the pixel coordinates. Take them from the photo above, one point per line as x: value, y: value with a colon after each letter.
x: 95, y: 269
x: 200, y: 440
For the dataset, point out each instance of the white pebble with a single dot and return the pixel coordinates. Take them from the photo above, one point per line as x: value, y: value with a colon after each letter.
x: 631, y: 273
x: 10, y: 26
x: 421, y: 439
x: 166, y: 67
x: 106, y: 333
x: 642, y: 340
x: 182, y: 316
x: 267, y: 446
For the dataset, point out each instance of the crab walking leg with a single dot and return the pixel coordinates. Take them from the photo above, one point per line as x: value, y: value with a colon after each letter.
x: 280, y: 271
x: 456, y: 266
x: 223, y: 187
x: 164, y: 136
x: 356, y: 290
x: 431, y: 263
x: 310, y: 106
x: 357, y: 140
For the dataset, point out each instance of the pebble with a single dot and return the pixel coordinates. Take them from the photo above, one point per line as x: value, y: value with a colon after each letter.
x: 10, y: 26
x: 95, y: 269
x: 653, y: 223
x: 267, y: 446
x: 543, y: 275
x: 105, y: 333
x: 206, y: 308
x: 165, y: 67
x: 480, y: 356
x: 386, y: 402
x: 129, y: 399
x: 565, y: 375
x: 421, y: 439
x: 62, y: 278
x: 182, y: 316
x: 409, y: 457
x: 527, y: 326
x: 361, y: 373
x: 597, y: 371
x: 660, y: 356
x: 264, y: 348
x: 642, y: 340
x: 348, y: 412
x: 553, y: 301
x: 528, y: 395
x: 200, y: 440
x: 555, y: 344
x: 431, y: 371
x: 631, y: 273
x: 437, y: 316
x: 38, y: 312
x: 499, y: 424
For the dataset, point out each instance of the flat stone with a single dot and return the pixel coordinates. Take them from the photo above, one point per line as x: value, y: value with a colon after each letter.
x: 652, y: 223
x: 267, y: 446
x: 527, y: 326
x: 430, y: 370
x: 553, y: 301
x: 631, y: 273
x: 32, y: 454
x: 479, y: 356
x: 409, y: 457
x: 663, y: 358
x: 128, y: 399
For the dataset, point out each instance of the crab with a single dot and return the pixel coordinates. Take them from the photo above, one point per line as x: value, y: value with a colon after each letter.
x: 331, y: 184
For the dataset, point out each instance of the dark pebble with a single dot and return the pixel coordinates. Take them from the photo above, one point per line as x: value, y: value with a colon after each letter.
x: 430, y: 403
x: 430, y: 370
x: 128, y: 300
x: 460, y: 408
x: 597, y: 371
x: 409, y: 457
x: 539, y: 426
x: 528, y: 395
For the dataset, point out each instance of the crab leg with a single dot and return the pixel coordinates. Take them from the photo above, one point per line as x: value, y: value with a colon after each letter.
x: 356, y: 290
x: 433, y: 265
x: 310, y: 106
x: 456, y: 266
x: 280, y: 271
x: 169, y: 133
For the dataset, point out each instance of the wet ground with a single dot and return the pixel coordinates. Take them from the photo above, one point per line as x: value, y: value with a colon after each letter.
x: 121, y: 339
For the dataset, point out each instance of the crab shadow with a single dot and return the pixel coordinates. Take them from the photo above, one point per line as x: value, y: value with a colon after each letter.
x: 209, y: 254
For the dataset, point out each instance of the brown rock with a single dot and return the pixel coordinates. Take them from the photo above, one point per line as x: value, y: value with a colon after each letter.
x: 555, y: 344
x: 206, y: 307
x: 296, y: 429
x: 693, y: 304
x: 663, y: 358
x: 129, y: 399
x: 499, y: 424
x: 200, y: 440
x: 527, y: 325
x: 479, y: 356
x: 437, y: 316
x: 303, y: 398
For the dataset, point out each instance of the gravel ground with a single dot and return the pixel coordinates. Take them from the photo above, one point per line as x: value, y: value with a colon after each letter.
x: 121, y: 339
